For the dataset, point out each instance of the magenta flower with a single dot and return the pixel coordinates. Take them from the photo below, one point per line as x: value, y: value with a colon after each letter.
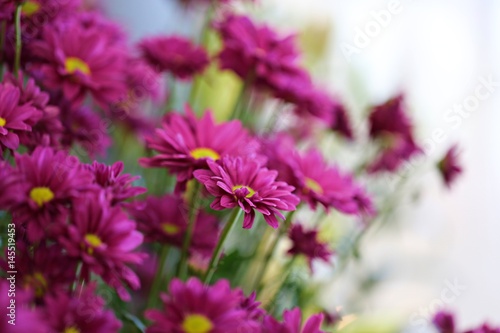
x: 195, y: 308
x: 84, y: 312
x: 165, y: 220
x: 306, y: 242
x: 104, y: 239
x: 10, y: 183
x: 397, y: 150
x: 449, y: 167
x: 292, y: 323
x: 174, y: 54
x: 51, y: 181
x: 30, y: 92
x: 246, y: 184
x: 185, y: 143
x: 390, y: 117
x: 116, y: 186
x: 34, y: 11
x: 6, y: 9
x: 484, y: 328
x: 341, y: 122
x: 444, y: 322
x: 78, y: 61
x: 15, y: 117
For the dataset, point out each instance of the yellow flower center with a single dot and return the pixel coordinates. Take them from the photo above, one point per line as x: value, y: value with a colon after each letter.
x: 38, y: 281
x: 312, y: 185
x: 2, y: 122
x: 197, y: 324
x: 71, y: 329
x: 74, y: 64
x: 41, y: 195
x: 250, y: 190
x: 170, y: 229
x: 93, y: 241
x: 30, y: 7
x: 200, y: 153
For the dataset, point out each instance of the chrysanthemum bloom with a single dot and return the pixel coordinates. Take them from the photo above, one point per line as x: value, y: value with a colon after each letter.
x: 30, y: 93
x: 395, y: 151
x: 116, y: 186
x: 256, y: 53
x: 246, y: 184
x: 306, y: 242
x: 390, y: 117
x: 82, y: 312
x: 444, y: 322
x: 292, y: 320
x: 15, y: 117
x: 192, y: 307
x: 51, y: 181
x: 104, y: 239
x: 78, y: 61
x: 174, y: 54
x: 185, y: 143
x: 449, y: 167
x: 484, y: 328
x: 165, y: 220
x: 10, y: 183
x: 35, y: 10
x: 6, y: 9
x: 341, y: 122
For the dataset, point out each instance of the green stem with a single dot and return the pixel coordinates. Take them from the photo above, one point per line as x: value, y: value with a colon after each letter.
x: 155, y: 288
x: 182, y: 269
x: 17, y: 62
x: 214, y: 261
x: 271, y: 306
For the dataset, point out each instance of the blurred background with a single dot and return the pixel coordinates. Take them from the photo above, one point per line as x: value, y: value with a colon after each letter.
x: 444, y: 248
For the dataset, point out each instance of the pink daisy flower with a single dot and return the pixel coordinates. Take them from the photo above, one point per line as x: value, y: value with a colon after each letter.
x: 305, y: 242
x: 292, y: 320
x: 174, y: 54
x: 82, y: 313
x: 15, y: 117
x: 104, y: 239
x: 246, y: 184
x: 449, y: 167
x: 80, y: 61
x: 192, y: 307
x: 165, y: 220
x: 390, y: 117
x: 51, y: 181
x: 185, y: 143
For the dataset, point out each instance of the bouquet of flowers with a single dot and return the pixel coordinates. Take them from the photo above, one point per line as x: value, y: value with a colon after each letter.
x: 128, y: 204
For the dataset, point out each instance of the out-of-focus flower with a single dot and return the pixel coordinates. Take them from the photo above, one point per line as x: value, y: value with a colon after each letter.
x: 10, y: 180
x: 292, y: 320
x: 185, y: 143
x: 449, y: 166
x: 6, y: 9
x: 484, y: 328
x: 51, y: 181
x: 341, y: 122
x: 83, y: 312
x: 104, y: 239
x: 15, y: 117
x: 116, y: 186
x: 192, y: 307
x: 306, y: 242
x: 174, y: 54
x: 165, y: 220
x: 444, y: 322
x: 77, y: 61
x: 30, y: 93
x: 246, y: 184
x: 396, y: 151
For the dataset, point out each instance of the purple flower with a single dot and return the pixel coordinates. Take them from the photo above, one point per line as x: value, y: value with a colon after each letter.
x: 196, y: 308
x: 484, y: 328
x: 390, y: 117
x: 165, y: 219
x: 15, y: 117
x: 306, y: 242
x: 395, y: 151
x: 246, y: 184
x: 292, y: 320
x: 6, y: 9
x: 51, y: 181
x: 104, y: 239
x: 185, y: 143
x: 174, y: 54
x: 10, y: 180
x: 444, y: 322
x: 449, y: 167
x: 83, y: 312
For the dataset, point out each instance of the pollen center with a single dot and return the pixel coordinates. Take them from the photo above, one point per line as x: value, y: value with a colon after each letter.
x: 196, y: 323
x: 38, y: 282
x: 71, y: 329
x: 250, y: 190
x: 41, y: 195
x: 93, y: 241
x: 74, y: 64
x: 201, y: 153
x: 2, y: 122
x: 30, y: 7
x: 313, y: 185
x: 170, y: 229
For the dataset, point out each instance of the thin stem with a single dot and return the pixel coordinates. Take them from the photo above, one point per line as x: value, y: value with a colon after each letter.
x: 182, y: 269
x: 214, y: 261
x: 17, y: 63
x: 271, y: 306
x: 155, y: 288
